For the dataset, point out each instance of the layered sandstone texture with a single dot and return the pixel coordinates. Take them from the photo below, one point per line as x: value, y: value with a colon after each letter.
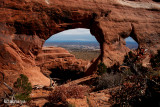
x: 26, y: 24
x: 58, y: 58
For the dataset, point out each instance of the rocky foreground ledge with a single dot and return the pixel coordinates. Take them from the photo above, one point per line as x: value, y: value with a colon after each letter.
x: 57, y: 57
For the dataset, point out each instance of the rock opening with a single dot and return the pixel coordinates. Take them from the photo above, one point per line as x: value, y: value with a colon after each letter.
x: 67, y: 53
x: 78, y: 42
x: 131, y: 43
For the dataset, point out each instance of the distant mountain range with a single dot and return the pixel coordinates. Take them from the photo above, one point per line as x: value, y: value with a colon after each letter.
x: 77, y: 45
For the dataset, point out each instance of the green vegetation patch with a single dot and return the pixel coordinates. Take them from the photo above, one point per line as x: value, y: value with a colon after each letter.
x: 23, y: 88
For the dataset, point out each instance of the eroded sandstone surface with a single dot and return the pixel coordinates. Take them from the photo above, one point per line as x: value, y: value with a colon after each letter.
x: 26, y: 24
x: 52, y: 58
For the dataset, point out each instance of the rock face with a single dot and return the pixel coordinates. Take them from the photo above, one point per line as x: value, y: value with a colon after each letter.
x: 56, y: 57
x: 26, y: 24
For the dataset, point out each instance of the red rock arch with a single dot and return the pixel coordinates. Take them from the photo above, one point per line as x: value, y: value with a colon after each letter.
x: 26, y: 24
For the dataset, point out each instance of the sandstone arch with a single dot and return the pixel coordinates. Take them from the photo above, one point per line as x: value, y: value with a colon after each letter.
x: 26, y: 24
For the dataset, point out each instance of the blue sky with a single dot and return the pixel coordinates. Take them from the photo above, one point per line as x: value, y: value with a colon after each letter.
x: 79, y: 34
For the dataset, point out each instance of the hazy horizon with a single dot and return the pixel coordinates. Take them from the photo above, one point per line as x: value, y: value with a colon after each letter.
x: 81, y: 37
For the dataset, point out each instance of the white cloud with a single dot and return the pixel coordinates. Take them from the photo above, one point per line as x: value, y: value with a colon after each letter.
x: 73, y: 34
x: 129, y: 39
